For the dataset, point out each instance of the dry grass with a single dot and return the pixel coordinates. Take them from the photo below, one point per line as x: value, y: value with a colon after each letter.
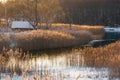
x: 10, y: 60
x: 97, y: 31
x: 58, y: 35
x: 108, y: 56
x: 4, y: 41
x: 103, y: 56
x: 40, y: 39
x: 43, y: 39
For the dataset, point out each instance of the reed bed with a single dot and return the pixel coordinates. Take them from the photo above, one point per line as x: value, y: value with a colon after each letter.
x: 58, y: 36
x: 43, y: 39
x: 96, y: 30
x: 108, y: 56
x: 103, y: 57
x: 9, y: 60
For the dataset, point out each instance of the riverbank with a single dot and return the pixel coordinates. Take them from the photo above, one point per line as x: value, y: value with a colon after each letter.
x: 54, y: 37
x: 96, y: 30
x: 43, y: 39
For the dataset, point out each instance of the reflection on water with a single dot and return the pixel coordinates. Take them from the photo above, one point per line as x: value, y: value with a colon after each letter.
x: 55, y: 61
x: 46, y: 61
x: 58, y: 61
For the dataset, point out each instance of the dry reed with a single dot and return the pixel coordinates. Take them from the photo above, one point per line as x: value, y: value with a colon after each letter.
x: 97, y: 31
x: 43, y: 39
x: 108, y: 57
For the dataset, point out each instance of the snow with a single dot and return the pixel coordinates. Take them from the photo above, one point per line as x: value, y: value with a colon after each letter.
x: 76, y: 73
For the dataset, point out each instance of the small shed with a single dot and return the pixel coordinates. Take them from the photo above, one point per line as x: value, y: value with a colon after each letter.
x: 24, y: 25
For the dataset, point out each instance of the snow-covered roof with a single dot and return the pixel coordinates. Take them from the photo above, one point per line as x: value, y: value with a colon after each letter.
x: 21, y: 25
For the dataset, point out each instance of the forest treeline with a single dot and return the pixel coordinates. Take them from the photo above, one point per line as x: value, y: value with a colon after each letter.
x: 84, y: 12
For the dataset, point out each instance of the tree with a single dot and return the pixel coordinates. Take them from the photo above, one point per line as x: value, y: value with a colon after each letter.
x: 49, y: 11
x: 1, y: 10
x: 88, y: 12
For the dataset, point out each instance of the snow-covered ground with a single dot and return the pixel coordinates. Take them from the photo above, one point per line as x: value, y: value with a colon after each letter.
x: 63, y: 74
